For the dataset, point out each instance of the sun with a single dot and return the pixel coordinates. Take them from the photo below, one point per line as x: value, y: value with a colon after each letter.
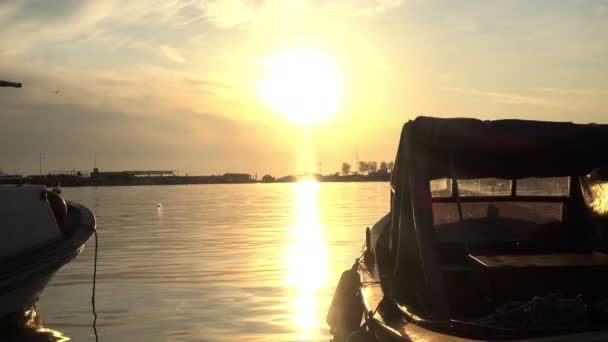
x: 303, y: 85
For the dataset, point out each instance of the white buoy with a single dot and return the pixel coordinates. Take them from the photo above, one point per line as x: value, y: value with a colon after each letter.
x: 159, y: 206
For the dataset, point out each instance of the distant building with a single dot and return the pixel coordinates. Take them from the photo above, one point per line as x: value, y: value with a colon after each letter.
x: 288, y: 179
x: 237, y: 177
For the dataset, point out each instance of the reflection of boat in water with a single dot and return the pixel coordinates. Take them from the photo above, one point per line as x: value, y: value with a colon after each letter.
x: 28, y: 327
x: 512, y: 246
x: 40, y: 234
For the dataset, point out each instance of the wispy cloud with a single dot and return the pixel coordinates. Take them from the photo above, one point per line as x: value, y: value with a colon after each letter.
x: 172, y: 54
x: 365, y: 7
x: 577, y: 91
x: 148, y: 24
x: 204, y: 83
x: 512, y: 98
x: 231, y: 13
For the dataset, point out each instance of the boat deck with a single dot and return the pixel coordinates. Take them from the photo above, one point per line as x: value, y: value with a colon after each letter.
x: 372, y: 296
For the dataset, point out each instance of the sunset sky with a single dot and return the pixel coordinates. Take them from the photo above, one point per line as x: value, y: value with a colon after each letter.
x: 181, y: 84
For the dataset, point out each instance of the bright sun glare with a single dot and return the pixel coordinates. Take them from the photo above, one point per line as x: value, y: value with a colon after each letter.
x: 303, y: 85
x: 308, y: 270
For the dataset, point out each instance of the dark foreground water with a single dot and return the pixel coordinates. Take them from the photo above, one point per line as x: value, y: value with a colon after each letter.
x: 255, y: 262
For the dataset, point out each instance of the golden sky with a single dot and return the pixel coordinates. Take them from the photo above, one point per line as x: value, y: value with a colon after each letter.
x: 177, y: 84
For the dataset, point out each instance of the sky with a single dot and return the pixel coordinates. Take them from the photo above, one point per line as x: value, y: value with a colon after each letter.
x: 173, y: 84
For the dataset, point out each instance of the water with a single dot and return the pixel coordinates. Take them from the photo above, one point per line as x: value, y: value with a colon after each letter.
x: 255, y: 262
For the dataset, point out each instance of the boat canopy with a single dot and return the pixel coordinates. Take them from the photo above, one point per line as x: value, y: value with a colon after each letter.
x: 435, y: 148
x: 470, y: 148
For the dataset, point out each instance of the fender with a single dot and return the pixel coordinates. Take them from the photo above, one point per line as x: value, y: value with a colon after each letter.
x: 346, y: 309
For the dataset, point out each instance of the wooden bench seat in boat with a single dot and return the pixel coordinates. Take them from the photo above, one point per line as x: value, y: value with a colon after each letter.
x: 487, y: 231
x: 506, y: 278
x: 492, y: 237
x: 543, y: 260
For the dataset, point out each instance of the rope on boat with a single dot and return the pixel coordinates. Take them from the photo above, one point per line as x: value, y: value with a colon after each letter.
x: 93, y: 292
x: 368, y: 283
x: 549, y: 311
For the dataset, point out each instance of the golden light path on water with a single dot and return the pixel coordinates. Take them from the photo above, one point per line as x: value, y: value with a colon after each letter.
x: 307, y: 259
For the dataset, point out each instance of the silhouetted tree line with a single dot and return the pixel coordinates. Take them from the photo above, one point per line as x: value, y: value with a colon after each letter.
x: 367, y: 171
x: 365, y: 168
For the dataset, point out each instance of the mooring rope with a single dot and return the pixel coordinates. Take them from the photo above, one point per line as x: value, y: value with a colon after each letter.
x: 93, y: 292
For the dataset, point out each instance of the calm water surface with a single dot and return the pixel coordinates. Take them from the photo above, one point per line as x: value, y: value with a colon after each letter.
x: 255, y: 262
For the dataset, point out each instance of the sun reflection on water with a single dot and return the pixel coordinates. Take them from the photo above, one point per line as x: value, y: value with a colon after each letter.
x: 28, y: 327
x: 307, y: 259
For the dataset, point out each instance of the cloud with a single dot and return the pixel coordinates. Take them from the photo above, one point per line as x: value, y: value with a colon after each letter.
x: 230, y: 13
x: 138, y: 90
x: 513, y: 98
x: 577, y: 91
x: 42, y: 24
x: 172, y: 54
x: 366, y: 7
x: 225, y: 14
x: 208, y: 84
x: 146, y: 25
x: 132, y: 118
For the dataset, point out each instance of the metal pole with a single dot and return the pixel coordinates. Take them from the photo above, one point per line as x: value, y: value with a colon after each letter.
x: 10, y: 84
x: 357, y: 158
x: 40, y: 154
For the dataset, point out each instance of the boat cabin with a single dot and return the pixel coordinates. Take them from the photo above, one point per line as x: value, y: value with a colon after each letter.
x: 487, y: 214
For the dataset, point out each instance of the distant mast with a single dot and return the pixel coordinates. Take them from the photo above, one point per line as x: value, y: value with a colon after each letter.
x: 357, y: 157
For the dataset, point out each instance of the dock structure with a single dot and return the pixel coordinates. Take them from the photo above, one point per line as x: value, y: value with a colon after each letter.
x: 136, y: 173
x: 152, y: 173
x: 76, y: 173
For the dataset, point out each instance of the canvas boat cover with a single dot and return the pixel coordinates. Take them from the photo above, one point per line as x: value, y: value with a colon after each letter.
x: 471, y: 148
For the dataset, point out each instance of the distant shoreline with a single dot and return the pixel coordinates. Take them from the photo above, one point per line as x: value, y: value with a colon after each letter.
x: 229, y: 178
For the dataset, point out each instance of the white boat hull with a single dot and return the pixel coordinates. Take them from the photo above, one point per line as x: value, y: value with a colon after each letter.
x: 25, y: 273
x: 23, y: 298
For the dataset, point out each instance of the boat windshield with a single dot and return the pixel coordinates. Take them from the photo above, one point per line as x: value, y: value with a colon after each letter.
x: 446, y: 208
x: 482, y: 187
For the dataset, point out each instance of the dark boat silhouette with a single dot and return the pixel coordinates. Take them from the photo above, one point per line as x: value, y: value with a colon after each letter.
x: 495, y: 232
x: 41, y: 232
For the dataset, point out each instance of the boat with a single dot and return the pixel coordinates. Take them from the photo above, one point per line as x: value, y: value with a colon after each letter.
x: 41, y: 232
x: 497, y: 230
x: 6, y: 178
